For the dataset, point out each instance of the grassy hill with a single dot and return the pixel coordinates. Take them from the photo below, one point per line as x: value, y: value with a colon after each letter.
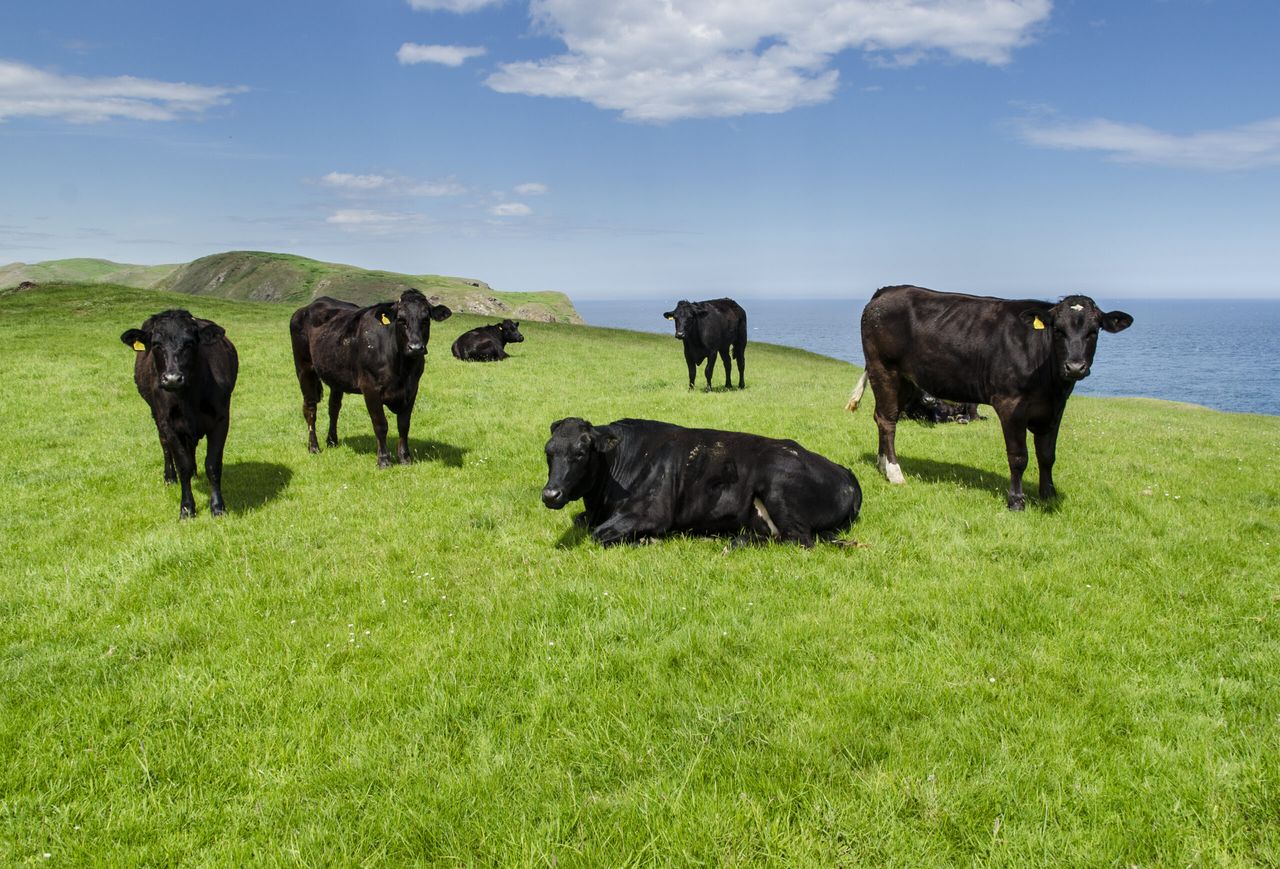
x: 424, y: 665
x: 276, y: 277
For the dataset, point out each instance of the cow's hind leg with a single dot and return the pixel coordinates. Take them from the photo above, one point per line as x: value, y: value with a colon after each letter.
x: 740, y: 355
x: 308, y: 381
x: 887, y: 387
x: 711, y: 369
x: 728, y: 369
x: 170, y: 471
x: 1046, y: 438
x: 335, y: 408
x: 213, y: 466
x: 1013, y: 421
x: 402, y: 428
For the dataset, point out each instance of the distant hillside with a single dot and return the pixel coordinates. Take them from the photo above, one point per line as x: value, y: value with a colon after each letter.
x: 275, y: 277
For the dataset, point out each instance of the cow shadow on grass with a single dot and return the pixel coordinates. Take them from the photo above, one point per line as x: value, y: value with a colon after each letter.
x: 575, y: 535
x: 995, y: 484
x: 248, y: 485
x: 421, y: 450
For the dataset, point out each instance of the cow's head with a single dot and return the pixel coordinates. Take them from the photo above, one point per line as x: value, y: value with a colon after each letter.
x: 575, y: 457
x: 411, y: 318
x: 172, y: 339
x: 1073, y: 326
x: 510, y: 332
x: 686, y: 315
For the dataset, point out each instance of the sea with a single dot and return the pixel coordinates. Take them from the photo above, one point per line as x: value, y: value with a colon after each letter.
x: 1222, y: 353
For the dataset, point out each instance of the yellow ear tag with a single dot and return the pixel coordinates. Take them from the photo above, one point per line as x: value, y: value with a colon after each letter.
x: 1038, y: 323
x: 387, y: 322
x: 669, y: 317
x: 139, y: 346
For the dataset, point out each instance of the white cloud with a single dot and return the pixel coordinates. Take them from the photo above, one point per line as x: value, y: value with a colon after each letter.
x: 449, y: 55
x: 511, y: 209
x: 390, y: 185
x: 29, y: 92
x: 368, y: 222
x: 533, y: 188
x: 1250, y: 146
x: 453, y: 5
x: 709, y: 58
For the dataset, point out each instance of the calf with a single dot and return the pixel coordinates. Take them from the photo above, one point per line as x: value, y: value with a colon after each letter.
x: 710, y: 328
x: 376, y: 351
x: 185, y: 370
x: 487, y: 343
x: 639, y: 478
x: 923, y: 407
x: 1022, y: 357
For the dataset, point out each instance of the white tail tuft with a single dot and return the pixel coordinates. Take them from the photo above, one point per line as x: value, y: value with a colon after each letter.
x: 857, y: 393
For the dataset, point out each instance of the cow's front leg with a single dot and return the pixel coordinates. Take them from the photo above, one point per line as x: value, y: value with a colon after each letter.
x: 622, y: 527
x: 1046, y: 438
x: 184, y: 456
x: 213, y: 466
x: 693, y: 368
x: 379, y: 419
x: 402, y: 427
x: 1015, y: 445
x: 335, y: 408
x: 170, y: 470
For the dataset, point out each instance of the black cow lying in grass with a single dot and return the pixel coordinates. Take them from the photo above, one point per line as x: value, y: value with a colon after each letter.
x: 376, y: 351
x: 1022, y: 357
x: 487, y: 343
x: 639, y: 478
x: 711, y: 328
x: 925, y: 408
x: 185, y: 369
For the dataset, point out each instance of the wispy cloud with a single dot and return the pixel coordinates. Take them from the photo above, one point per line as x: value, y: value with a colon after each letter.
x: 26, y: 91
x: 370, y: 222
x: 1249, y: 146
x: 533, y: 188
x: 390, y: 185
x: 511, y: 209
x: 659, y: 62
x: 448, y: 55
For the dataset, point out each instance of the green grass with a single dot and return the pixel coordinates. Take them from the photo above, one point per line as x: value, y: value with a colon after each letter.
x: 424, y: 665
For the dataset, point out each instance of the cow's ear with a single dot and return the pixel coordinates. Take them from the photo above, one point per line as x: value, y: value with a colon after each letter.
x: 555, y: 425
x: 135, y: 338
x: 385, y: 312
x: 210, y: 332
x: 1116, y: 321
x: 669, y: 315
x: 1037, y: 319
x: 440, y: 312
x: 604, y: 443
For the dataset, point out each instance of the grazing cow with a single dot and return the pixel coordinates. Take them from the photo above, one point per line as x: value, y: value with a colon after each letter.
x: 1022, y: 357
x: 376, y: 351
x: 923, y: 407
x: 639, y: 478
x: 487, y: 343
x: 185, y: 369
x: 710, y: 328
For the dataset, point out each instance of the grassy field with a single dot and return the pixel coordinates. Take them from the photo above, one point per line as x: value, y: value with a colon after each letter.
x: 424, y: 665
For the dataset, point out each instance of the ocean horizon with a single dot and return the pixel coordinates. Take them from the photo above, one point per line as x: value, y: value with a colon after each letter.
x: 1220, y: 353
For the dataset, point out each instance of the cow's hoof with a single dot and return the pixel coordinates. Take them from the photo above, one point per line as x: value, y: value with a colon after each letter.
x: 330, y: 442
x: 186, y: 512
x: 169, y: 481
x: 218, y: 510
x: 1018, y: 504
x: 406, y: 460
x: 892, y: 472
x: 313, y: 448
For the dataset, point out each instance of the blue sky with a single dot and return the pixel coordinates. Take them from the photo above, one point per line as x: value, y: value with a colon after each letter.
x: 694, y: 148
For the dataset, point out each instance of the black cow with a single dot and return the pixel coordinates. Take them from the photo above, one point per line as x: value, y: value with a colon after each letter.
x: 710, y: 328
x: 923, y: 407
x: 639, y: 478
x: 487, y: 343
x: 376, y: 351
x: 1021, y: 357
x: 185, y: 369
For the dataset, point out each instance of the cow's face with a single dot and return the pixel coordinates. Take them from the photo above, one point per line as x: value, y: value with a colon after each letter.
x: 575, y: 453
x: 411, y: 318
x: 510, y: 332
x: 172, y: 339
x: 686, y: 317
x: 1074, y: 324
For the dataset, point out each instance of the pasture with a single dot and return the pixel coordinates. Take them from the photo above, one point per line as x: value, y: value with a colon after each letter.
x: 425, y: 665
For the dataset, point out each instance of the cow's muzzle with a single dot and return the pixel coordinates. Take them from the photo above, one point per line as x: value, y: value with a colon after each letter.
x: 679, y: 336
x: 415, y: 348
x: 172, y: 381
x: 553, y: 497
x: 1075, y: 370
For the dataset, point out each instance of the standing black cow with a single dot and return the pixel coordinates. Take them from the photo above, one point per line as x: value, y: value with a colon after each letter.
x: 1022, y: 357
x: 639, y: 478
x: 185, y: 369
x: 487, y: 343
x: 376, y: 351
x: 710, y: 328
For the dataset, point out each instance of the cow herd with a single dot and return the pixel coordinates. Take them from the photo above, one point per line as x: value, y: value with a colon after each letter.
x: 928, y: 355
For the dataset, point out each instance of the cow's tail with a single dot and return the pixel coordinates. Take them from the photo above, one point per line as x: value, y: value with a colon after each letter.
x: 860, y: 388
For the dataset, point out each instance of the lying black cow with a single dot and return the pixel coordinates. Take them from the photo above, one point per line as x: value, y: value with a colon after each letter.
x: 376, y: 351
x: 710, y: 328
x: 185, y: 369
x: 639, y: 478
x: 1021, y: 357
x: 923, y: 407
x: 487, y: 343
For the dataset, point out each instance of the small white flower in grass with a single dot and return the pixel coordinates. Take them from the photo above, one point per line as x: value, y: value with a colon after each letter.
x: 552, y: 643
x: 366, y: 633
x: 293, y: 621
x: 992, y: 680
